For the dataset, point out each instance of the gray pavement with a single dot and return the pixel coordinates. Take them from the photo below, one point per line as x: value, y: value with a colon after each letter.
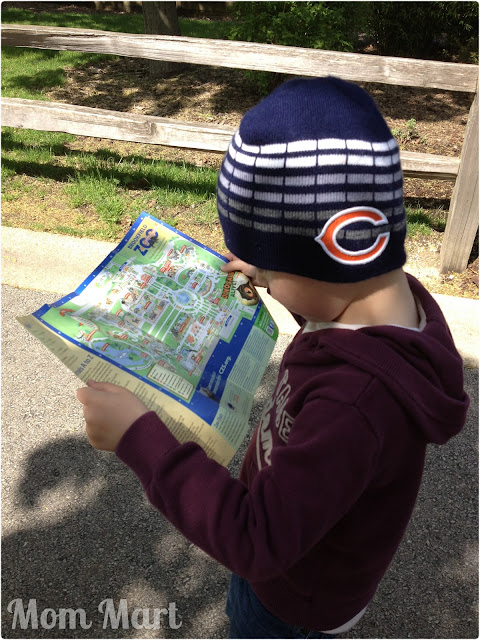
x: 77, y: 530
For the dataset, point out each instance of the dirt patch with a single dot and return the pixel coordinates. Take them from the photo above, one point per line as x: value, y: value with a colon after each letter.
x: 423, y: 261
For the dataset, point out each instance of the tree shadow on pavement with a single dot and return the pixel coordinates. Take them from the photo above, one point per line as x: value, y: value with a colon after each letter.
x: 78, y: 529
x: 105, y: 543
x: 431, y: 587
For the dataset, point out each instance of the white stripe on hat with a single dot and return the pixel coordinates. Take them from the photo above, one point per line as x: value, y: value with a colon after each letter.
x: 301, y: 145
x: 260, y: 178
x: 269, y: 163
x: 243, y: 175
x: 240, y: 191
x: 332, y: 159
x: 382, y: 196
x: 301, y: 161
x: 380, y: 146
x: 268, y: 228
x: 269, y: 196
x: 300, y: 181
x: 299, y: 198
x: 244, y: 159
x: 359, y: 196
x: 331, y: 178
x: 360, y: 178
x: 359, y: 145
x: 383, y: 178
x: 223, y: 180
x: 245, y: 222
x: 250, y: 148
x: 274, y: 148
x: 360, y: 161
x: 296, y: 146
x: 333, y: 196
x: 332, y: 143
x: 300, y: 215
x: 383, y: 161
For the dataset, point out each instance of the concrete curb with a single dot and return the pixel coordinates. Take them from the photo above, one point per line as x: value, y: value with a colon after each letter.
x: 58, y: 264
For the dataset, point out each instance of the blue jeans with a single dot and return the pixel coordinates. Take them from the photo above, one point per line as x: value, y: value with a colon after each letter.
x: 250, y: 619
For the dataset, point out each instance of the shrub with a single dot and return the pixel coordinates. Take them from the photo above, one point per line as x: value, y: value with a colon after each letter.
x: 428, y: 30
x: 318, y: 25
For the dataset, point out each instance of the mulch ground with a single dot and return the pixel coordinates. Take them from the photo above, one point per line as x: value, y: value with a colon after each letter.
x: 221, y: 96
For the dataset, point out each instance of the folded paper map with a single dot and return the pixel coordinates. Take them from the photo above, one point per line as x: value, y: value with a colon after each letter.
x: 159, y: 317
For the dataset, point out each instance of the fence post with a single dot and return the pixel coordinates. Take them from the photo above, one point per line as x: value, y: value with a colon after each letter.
x: 462, y: 221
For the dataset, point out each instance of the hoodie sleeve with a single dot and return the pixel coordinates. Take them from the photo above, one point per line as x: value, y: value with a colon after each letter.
x: 260, y: 531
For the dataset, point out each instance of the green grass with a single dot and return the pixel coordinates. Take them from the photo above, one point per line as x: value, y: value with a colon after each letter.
x: 109, y: 21
x: 27, y: 73
x: 101, y: 193
x: 102, y: 180
x: 422, y: 221
x: 113, y: 185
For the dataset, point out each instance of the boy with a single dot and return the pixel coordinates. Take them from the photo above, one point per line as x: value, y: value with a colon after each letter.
x: 310, y: 198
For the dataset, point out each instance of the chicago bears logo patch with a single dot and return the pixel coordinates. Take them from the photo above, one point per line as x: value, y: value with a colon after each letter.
x: 327, y: 239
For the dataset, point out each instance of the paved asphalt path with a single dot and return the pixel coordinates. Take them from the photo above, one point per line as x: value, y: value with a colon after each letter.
x: 77, y: 530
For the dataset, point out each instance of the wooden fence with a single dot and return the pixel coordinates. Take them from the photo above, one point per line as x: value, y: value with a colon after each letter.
x: 462, y: 222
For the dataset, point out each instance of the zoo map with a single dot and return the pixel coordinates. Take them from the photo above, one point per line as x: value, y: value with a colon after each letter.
x: 160, y: 308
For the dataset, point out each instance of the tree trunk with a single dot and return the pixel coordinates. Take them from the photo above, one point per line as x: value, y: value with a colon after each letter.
x: 161, y: 19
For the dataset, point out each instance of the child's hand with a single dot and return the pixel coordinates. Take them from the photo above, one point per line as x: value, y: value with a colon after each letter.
x: 109, y: 410
x: 249, y: 270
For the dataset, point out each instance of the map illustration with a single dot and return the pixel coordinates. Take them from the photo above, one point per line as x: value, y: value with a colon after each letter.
x: 157, y: 306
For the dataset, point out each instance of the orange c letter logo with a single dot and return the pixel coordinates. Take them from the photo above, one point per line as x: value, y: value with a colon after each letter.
x: 328, y: 237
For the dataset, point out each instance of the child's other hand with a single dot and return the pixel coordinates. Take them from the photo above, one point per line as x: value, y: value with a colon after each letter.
x: 249, y: 270
x: 109, y: 410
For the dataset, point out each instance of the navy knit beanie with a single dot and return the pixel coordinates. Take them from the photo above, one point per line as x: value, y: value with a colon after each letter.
x: 312, y: 184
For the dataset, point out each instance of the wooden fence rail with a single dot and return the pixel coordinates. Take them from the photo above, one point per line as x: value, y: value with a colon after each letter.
x: 249, y: 55
x: 132, y: 127
x: 463, y: 215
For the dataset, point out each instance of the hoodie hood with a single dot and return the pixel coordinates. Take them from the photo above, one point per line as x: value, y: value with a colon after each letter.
x: 421, y: 369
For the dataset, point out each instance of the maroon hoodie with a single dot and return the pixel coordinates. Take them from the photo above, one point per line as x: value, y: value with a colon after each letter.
x: 331, y: 475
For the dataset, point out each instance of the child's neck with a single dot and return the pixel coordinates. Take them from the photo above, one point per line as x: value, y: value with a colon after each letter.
x: 383, y: 300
